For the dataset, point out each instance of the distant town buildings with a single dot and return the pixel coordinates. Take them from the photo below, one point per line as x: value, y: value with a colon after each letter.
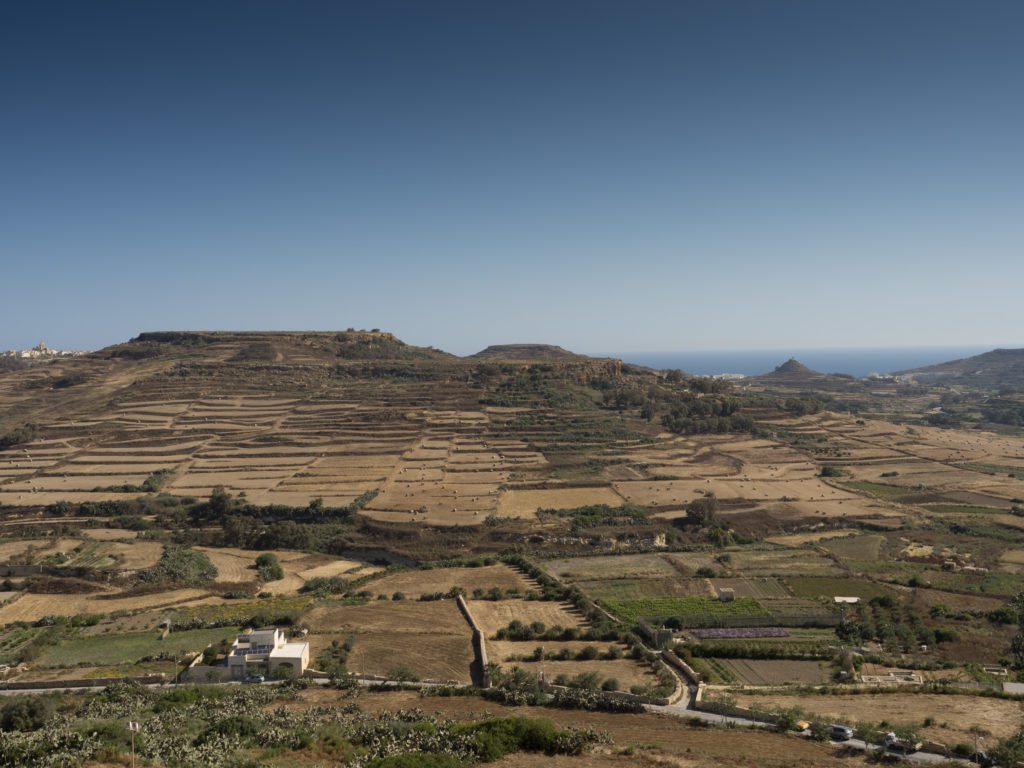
x: 41, y: 352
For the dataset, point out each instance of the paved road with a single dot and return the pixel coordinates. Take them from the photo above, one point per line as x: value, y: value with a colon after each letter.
x: 676, y: 710
x: 316, y: 680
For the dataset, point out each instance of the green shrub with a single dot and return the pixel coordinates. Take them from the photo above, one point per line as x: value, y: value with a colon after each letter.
x: 27, y: 713
x: 417, y: 760
x: 179, y: 565
x: 269, y: 567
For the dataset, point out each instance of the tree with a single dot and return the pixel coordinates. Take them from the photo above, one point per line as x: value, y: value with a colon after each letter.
x: 403, y: 674
x: 703, y: 511
x: 220, y: 501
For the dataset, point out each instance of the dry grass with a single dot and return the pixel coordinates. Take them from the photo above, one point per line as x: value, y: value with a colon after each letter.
x: 415, y: 583
x: 405, y: 616
x: 432, y: 639
x: 526, y: 503
x: 491, y: 616
x: 32, y: 607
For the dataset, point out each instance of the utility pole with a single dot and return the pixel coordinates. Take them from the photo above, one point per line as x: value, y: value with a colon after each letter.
x: 133, y: 728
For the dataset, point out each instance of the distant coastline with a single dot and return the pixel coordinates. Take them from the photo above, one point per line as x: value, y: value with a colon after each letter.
x: 856, y: 362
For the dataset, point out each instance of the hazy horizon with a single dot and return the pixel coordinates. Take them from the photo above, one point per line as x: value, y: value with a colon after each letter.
x: 599, y: 175
x: 749, y: 359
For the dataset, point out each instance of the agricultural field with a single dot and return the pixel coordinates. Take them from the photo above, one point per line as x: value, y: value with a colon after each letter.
x: 100, y: 650
x: 414, y: 583
x: 33, y: 607
x: 815, y: 587
x: 430, y: 639
x: 770, y: 672
x: 690, y: 611
x: 491, y: 616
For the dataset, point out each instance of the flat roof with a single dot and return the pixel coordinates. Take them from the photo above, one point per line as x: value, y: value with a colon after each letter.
x: 290, y: 649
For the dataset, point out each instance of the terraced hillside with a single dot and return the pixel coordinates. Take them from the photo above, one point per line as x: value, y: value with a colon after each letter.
x: 284, y: 419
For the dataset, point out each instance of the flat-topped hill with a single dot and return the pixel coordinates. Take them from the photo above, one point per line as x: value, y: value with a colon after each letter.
x: 274, y: 346
x: 526, y: 352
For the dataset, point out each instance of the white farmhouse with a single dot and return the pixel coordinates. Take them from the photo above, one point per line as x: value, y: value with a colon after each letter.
x: 267, y: 651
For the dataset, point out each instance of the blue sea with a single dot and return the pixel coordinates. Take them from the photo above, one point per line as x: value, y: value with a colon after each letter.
x: 856, y: 362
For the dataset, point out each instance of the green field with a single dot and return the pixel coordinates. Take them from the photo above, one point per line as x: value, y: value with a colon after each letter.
x: 962, y: 509
x: 823, y: 586
x: 14, y: 640
x: 238, y: 613
x: 119, y: 649
x: 881, y: 490
x: 859, y: 547
x: 663, y: 608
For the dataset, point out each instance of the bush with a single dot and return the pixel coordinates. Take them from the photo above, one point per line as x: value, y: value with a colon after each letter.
x: 179, y: 565
x: 240, y: 726
x: 26, y: 714
x: 611, y: 684
x: 417, y: 760
x: 269, y: 567
x: 493, y: 739
x: 23, y: 434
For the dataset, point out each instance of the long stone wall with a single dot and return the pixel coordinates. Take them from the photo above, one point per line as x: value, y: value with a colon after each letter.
x: 479, y: 645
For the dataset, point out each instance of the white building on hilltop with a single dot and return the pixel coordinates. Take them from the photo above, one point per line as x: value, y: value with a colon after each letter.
x: 267, y: 651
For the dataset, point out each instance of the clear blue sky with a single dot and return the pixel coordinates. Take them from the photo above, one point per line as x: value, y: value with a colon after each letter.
x: 605, y: 176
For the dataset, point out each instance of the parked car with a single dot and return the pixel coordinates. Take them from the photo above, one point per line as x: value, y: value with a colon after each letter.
x: 895, y: 744
x: 254, y: 679
x: 840, y: 733
x: 983, y: 759
x: 802, y: 726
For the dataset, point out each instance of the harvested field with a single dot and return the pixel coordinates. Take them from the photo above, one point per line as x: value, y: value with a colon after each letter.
x: 796, y: 539
x: 432, y: 639
x: 32, y: 607
x: 626, y: 671
x: 135, y: 555
x: 405, y: 616
x: 429, y: 656
x: 491, y: 616
x: 611, y: 566
x: 761, y: 562
x: 417, y: 582
x: 109, y: 534
x: 231, y: 565
x: 678, y: 492
x: 239, y: 566
x: 349, y: 568
x: 526, y: 503
x: 954, y: 715
x: 13, y: 549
